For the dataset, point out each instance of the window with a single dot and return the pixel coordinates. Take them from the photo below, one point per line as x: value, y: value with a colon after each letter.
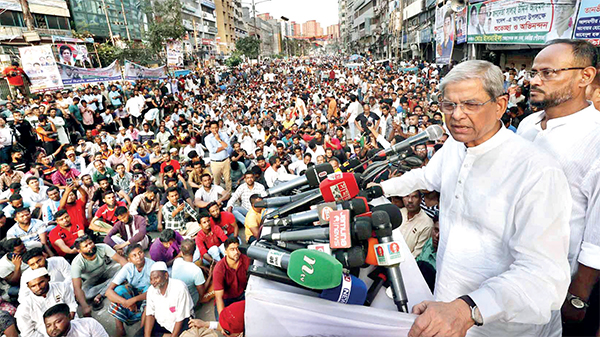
x: 10, y: 18
x: 40, y: 21
x: 57, y: 22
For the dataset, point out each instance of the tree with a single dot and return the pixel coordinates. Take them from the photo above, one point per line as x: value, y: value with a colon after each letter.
x: 234, y: 60
x: 166, y: 25
x: 248, y: 46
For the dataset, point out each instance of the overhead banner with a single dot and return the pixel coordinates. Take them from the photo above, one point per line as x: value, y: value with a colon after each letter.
x: 38, y: 63
x: 69, y: 54
x: 444, y: 34
x: 461, y: 26
x: 175, y: 54
x: 134, y: 72
x: 76, y: 75
x: 521, y: 21
x: 588, y: 22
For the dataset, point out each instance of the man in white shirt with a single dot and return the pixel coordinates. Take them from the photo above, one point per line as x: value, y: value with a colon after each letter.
x: 567, y: 127
x: 354, y: 109
x: 58, y: 269
x: 209, y: 192
x: 30, y: 312
x: 169, y: 305
x: 502, y: 256
x: 33, y: 193
x: 59, y: 323
x: 276, y: 172
x: 243, y: 194
x: 192, y: 146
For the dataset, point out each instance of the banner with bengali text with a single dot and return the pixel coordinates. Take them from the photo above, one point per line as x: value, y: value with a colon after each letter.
x: 444, y: 34
x: 175, y: 54
x: 134, y: 72
x: 76, y: 75
x: 588, y: 22
x: 39, y: 65
x: 521, y: 21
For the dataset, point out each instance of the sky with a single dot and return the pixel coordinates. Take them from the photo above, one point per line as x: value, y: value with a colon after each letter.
x: 324, y: 11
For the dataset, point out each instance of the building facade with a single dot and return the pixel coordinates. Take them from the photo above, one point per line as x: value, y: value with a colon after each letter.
x: 225, y: 38
x: 126, y: 18
x: 311, y: 28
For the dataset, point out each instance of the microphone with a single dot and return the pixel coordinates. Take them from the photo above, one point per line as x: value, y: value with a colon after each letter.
x: 379, y: 277
x: 359, y: 230
x: 352, y: 257
x: 432, y: 133
x: 355, y: 206
x: 308, y: 268
x: 337, y: 187
x: 350, y: 165
x: 313, y: 176
x: 393, y: 212
x: 280, y: 201
x: 371, y: 193
x: 351, y: 290
x: 383, y: 230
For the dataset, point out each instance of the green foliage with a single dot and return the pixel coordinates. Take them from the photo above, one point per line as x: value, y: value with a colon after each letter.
x: 134, y: 51
x: 165, y: 25
x: 248, y: 46
x: 234, y: 60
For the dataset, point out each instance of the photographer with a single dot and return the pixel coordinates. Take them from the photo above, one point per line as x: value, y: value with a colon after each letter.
x: 15, y: 75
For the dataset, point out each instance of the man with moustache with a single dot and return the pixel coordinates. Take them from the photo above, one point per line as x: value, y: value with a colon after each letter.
x: 567, y: 127
x: 223, y: 219
x: 58, y: 269
x: 59, y: 323
x: 30, y: 312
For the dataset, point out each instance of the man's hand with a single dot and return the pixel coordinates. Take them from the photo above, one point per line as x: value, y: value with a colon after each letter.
x: 17, y: 260
x: 86, y: 310
x: 441, y: 319
x: 179, y: 208
x: 230, y: 209
x: 198, y: 323
x: 130, y: 304
x: 570, y: 314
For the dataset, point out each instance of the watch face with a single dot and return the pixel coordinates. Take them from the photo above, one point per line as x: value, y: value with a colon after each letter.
x: 577, y: 303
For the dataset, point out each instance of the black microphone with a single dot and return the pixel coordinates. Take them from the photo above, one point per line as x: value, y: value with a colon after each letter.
x: 383, y: 230
x: 350, y: 165
x: 432, y: 133
x: 372, y: 192
x: 280, y: 201
x: 313, y: 177
x: 355, y: 206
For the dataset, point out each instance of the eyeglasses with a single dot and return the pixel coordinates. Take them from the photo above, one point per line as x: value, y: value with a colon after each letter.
x: 549, y: 74
x: 468, y: 108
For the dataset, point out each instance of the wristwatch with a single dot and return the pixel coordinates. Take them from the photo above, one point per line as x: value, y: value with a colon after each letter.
x: 475, y: 313
x: 577, y: 302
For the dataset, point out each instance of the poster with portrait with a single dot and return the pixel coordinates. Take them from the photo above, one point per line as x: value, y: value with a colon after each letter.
x: 68, y: 54
x: 76, y: 75
x: 134, y: 72
x: 444, y: 34
x: 175, y: 54
x: 461, y: 26
x: 38, y: 63
x: 588, y: 22
x: 521, y: 21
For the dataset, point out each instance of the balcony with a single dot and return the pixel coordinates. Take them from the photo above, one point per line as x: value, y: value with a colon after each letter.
x: 18, y: 31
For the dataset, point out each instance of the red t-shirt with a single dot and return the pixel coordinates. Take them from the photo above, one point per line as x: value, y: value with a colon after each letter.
x: 205, y: 241
x: 68, y: 236
x: 14, y: 75
x: 227, y: 219
x: 173, y: 163
x: 108, y: 215
x: 77, y: 214
x: 232, y: 281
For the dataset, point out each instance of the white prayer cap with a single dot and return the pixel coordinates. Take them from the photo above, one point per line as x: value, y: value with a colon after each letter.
x: 32, y: 274
x: 159, y: 266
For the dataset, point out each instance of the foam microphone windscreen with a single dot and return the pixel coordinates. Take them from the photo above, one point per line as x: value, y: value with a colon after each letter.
x: 339, y: 187
x: 393, y: 211
x: 351, y: 290
x: 352, y: 257
x: 314, y: 269
x: 358, y: 205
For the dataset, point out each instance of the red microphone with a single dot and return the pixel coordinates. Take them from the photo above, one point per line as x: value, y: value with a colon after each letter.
x: 340, y: 187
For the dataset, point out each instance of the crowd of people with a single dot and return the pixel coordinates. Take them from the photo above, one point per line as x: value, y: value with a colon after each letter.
x: 136, y: 191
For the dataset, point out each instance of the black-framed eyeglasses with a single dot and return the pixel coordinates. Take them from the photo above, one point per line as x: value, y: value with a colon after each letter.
x: 468, y: 108
x: 549, y: 74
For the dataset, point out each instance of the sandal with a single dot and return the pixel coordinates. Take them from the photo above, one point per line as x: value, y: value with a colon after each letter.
x: 98, y: 302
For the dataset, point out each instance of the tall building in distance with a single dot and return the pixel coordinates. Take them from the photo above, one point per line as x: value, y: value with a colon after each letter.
x: 225, y: 26
x: 333, y: 31
x: 296, y: 28
x: 311, y: 28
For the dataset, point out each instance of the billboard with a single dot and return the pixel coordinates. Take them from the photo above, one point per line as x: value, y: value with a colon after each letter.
x: 38, y: 63
x: 68, y: 54
x: 587, y: 26
x: 444, y: 34
x: 175, y: 54
x: 76, y: 75
x: 134, y: 72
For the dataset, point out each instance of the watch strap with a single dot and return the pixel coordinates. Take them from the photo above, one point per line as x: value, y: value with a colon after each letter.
x: 471, y: 305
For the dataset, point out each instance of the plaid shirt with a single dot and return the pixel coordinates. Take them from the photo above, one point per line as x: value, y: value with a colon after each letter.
x: 178, y: 221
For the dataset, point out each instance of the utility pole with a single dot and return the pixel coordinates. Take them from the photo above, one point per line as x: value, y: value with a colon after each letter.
x: 125, y: 20
x: 27, y: 15
x: 112, y: 38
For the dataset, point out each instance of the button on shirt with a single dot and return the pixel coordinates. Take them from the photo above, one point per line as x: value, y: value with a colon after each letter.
x: 243, y: 194
x: 174, y: 306
x: 575, y: 142
x: 212, y: 144
x: 503, y: 232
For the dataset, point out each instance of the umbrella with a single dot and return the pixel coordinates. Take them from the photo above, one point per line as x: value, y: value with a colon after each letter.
x: 355, y: 57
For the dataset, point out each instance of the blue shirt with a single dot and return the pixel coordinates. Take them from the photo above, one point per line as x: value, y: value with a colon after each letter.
x: 212, y: 144
x: 115, y: 98
x: 190, y: 274
x: 139, y: 280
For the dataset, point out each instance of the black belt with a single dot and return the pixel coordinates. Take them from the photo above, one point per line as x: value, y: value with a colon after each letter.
x: 218, y: 161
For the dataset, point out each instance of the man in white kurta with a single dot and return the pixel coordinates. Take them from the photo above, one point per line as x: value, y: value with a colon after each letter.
x: 30, y: 312
x: 568, y: 129
x: 504, y: 210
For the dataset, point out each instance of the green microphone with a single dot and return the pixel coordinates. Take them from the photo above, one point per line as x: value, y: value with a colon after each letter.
x: 314, y: 269
x: 309, y: 268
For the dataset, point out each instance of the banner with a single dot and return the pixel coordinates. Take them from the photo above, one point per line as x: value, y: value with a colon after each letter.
x: 76, y: 75
x: 175, y: 54
x: 38, y: 63
x: 134, y: 72
x: 444, y: 34
x: 588, y: 22
x: 461, y: 26
x: 521, y: 21
x: 68, y: 54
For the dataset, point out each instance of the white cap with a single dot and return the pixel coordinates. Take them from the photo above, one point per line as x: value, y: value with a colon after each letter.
x: 32, y: 274
x: 159, y: 266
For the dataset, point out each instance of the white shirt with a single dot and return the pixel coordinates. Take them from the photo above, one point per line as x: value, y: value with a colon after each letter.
x: 281, y: 174
x: 135, y: 105
x: 297, y: 166
x: 354, y: 109
x: 575, y: 142
x: 32, y: 198
x: 30, y: 312
x: 172, y: 307
x: 210, y: 196
x: 5, y: 136
x: 86, y: 327
x: 58, y: 269
x: 503, y: 232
